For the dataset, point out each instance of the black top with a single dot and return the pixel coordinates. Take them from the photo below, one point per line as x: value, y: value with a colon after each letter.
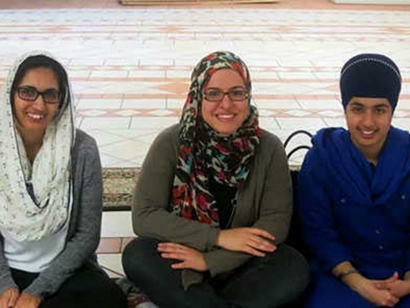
x: 225, y: 199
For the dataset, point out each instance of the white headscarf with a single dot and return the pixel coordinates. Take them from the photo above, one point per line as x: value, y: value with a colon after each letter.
x: 34, y: 216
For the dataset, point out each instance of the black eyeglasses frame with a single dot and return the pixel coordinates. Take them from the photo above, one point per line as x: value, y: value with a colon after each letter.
x: 38, y: 93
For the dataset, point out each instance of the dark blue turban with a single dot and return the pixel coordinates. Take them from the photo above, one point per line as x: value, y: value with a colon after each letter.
x: 370, y: 75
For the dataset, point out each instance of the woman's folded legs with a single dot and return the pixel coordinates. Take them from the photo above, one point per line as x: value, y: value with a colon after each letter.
x: 154, y: 275
x: 276, y: 279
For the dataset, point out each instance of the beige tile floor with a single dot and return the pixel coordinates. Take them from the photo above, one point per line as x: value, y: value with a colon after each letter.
x: 130, y: 66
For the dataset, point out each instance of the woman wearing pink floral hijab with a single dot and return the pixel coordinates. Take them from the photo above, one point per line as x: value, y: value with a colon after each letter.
x: 213, y: 203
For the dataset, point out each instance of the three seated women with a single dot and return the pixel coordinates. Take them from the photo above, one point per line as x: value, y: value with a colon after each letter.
x: 213, y: 202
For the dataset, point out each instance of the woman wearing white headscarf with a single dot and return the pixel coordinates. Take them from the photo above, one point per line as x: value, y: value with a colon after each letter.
x: 50, y: 195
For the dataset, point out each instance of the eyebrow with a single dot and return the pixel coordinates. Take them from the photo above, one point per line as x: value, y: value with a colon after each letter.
x: 234, y: 87
x: 357, y: 104
x: 381, y: 105
x: 35, y: 88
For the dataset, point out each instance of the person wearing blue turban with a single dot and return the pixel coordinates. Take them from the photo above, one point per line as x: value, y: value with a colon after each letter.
x: 355, y: 195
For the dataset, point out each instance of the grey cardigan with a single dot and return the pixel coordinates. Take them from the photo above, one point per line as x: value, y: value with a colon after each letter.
x: 85, y: 223
x: 265, y: 202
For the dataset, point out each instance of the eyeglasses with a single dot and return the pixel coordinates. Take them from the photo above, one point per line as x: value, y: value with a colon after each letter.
x: 27, y: 93
x: 217, y: 95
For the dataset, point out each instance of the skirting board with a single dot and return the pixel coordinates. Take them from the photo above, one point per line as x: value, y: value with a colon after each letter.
x: 384, y: 2
x: 181, y: 2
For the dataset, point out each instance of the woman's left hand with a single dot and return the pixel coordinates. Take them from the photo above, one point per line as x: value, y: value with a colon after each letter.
x: 189, y: 257
x: 27, y: 300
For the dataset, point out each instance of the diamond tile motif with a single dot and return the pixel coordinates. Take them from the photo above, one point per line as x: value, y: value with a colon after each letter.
x: 176, y: 87
x: 127, y: 112
x: 266, y: 112
x: 297, y: 113
x: 161, y: 112
x: 92, y: 113
x: 331, y: 113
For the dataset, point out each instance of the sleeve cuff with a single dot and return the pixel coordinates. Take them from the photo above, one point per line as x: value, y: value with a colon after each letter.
x: 8, y: 284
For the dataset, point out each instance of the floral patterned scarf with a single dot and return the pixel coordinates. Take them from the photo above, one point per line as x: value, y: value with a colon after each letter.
x: 204, y: 153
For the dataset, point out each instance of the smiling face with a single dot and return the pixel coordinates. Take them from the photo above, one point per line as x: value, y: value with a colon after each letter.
x: 33, y: 117
x: 368, y: 121
x: 225, y: 116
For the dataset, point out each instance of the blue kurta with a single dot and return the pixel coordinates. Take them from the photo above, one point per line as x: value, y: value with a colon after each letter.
x: 354, y: 211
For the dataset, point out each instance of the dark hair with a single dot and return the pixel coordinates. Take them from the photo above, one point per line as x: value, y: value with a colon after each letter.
x: 46, y: 62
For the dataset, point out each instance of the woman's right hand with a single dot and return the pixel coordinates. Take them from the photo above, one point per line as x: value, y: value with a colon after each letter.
x: 371, y: 290
x: 253, y: 241
x: 9, y: 298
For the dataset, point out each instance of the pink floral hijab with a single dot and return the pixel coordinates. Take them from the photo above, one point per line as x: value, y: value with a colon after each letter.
x: 204, y: 153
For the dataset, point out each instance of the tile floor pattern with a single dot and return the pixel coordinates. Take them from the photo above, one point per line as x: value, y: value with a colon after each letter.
x: 130, y: 68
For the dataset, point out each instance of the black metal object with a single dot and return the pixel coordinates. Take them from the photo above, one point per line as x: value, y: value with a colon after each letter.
x: 295, y: 236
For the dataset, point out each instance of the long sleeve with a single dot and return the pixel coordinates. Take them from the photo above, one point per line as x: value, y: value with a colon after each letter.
x: 265, y: 203
x: 150, y: 216
x: 317, y: 216
x: 407, y: 260
x: 6, y: 280
x: 85, y: 220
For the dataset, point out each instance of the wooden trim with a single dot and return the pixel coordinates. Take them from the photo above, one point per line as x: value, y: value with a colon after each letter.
x: 180, y: 2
